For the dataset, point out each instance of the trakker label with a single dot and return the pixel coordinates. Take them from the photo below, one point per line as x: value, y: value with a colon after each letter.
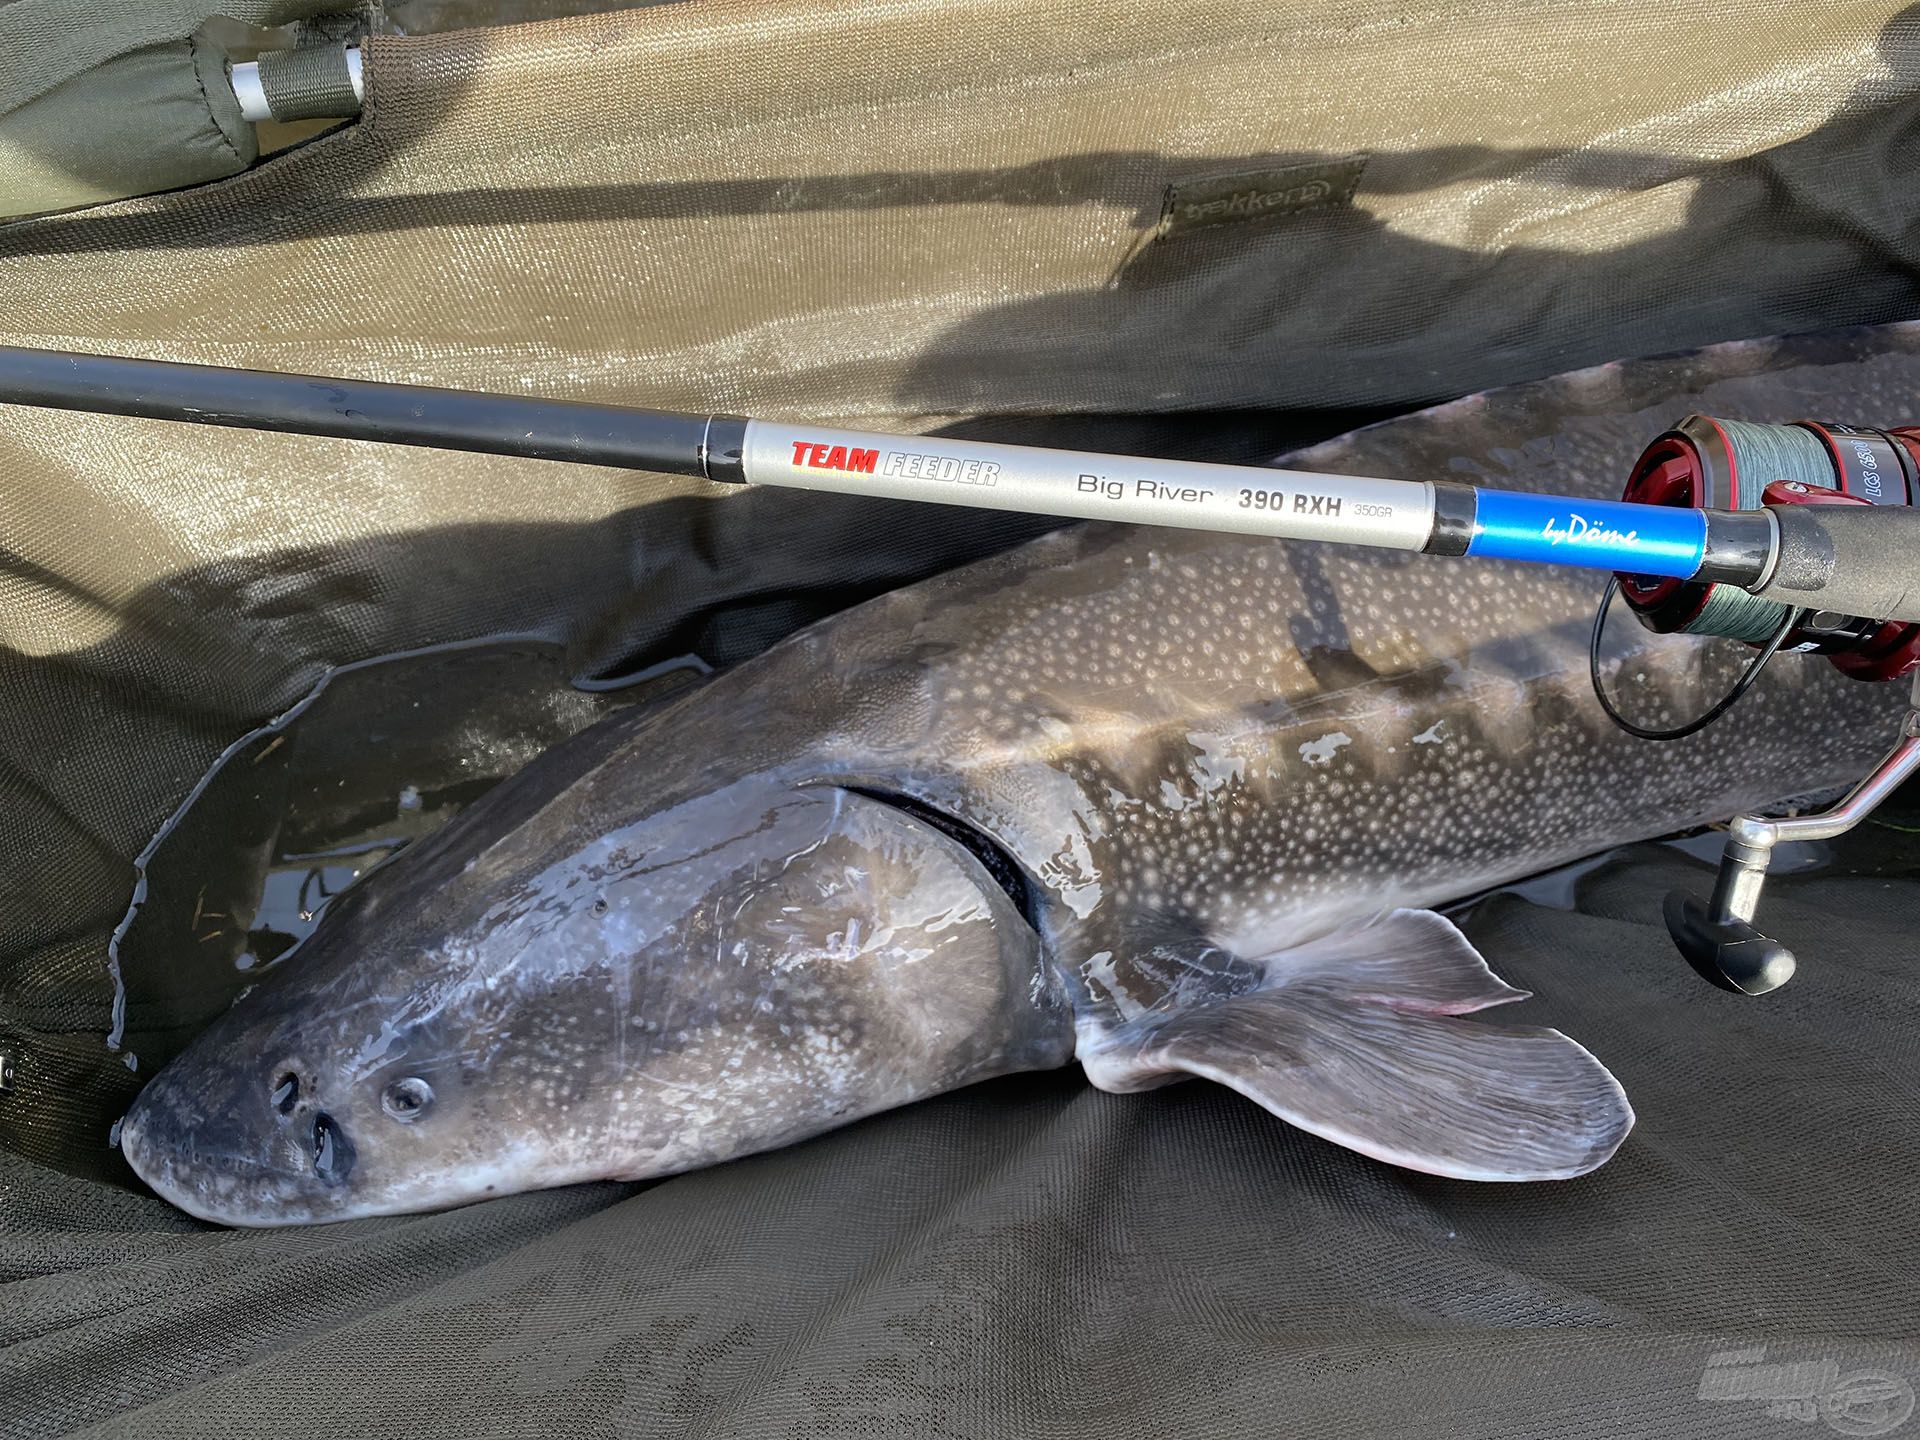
x: 1259, y: 194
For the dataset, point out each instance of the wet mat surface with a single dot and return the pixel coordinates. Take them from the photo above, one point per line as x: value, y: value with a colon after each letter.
x: 1032, y: 1257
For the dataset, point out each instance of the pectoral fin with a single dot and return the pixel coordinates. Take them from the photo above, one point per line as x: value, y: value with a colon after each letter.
x: 1354, y: 1037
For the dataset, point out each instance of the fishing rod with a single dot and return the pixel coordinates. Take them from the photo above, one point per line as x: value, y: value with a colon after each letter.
x: 1839, y: 560
x: 1799, y: 537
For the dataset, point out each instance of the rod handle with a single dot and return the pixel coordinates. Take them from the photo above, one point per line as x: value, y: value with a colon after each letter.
x: 1847, y: 559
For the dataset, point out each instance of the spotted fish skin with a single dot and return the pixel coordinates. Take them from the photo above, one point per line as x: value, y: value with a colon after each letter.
x: 1170, y: 803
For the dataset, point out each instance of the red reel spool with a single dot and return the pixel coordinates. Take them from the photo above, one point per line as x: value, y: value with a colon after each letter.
x: 1706, y: 463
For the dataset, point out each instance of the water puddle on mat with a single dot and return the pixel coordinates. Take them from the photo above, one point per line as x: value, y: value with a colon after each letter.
x: 378, y: 755
x: 1559, y: 889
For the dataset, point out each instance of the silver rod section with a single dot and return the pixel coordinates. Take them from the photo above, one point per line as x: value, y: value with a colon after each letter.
x: 1290, y: 504
x: 246, y: 89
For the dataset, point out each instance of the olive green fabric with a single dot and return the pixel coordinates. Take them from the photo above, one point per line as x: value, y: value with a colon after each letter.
x: 153, y: 119
x: 852, y: 209
x: 99, y: 101
x: 49, y: 42
x: 310, y: 82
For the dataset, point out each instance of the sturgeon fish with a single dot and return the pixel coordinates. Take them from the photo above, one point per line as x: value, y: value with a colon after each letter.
x: 1166, y: 803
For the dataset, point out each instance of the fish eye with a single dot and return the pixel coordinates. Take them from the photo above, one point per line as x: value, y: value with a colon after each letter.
x: 407, y: 1098
x: 286, y: 1090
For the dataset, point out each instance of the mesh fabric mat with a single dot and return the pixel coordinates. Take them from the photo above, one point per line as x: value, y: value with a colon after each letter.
x: 1032, y: 1257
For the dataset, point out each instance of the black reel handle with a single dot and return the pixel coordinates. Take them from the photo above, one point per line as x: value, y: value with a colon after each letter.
x: 1718, y: 939
x: 1728, y: 952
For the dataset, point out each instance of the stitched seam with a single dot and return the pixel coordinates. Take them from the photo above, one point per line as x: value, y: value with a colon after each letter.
x: 194, y: 58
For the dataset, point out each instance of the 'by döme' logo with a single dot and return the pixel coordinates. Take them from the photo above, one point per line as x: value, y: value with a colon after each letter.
x: 1581, y: 531
x: 1856, y: 1402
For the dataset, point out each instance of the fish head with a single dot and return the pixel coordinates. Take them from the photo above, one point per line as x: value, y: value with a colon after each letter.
x: 331, y: 1090
x: 244, y: 1126
x: 566, y: 1001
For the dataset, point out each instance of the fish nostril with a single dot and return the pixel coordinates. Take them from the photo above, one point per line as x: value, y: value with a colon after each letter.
x: 286, y: 1091
x: 332, y: 1151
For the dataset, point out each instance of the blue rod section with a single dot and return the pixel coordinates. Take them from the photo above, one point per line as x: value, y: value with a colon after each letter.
x: 1589, y: 534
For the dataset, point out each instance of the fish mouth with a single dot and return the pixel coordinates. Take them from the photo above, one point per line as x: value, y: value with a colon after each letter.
x: 219, y: 1183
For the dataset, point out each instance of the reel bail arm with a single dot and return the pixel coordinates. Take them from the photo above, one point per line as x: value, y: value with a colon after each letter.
x: 1719, y: 939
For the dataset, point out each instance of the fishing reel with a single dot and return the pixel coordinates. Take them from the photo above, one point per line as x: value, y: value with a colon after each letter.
x: 1712, y: 464
x: 1733, y: 465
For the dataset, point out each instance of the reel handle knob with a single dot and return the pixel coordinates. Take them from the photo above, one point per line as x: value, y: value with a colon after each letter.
x: 1727, y: 952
